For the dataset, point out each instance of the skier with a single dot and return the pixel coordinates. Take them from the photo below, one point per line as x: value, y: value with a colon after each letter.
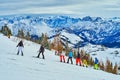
x: 96, y: 63
x: 20, y: 47
x: 41, y: 50
x: 70, y: 54
x: 78, y: 60
x: 62, y: 56
x: 85, y: 59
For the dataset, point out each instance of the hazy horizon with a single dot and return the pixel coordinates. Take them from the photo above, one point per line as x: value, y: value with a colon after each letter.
x: 80, y: 8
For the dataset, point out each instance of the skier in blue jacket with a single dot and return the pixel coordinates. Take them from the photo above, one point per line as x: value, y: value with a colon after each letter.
x: 70, y: 55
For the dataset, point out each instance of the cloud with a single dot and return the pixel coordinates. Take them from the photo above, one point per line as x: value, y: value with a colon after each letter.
x: 73, y: 7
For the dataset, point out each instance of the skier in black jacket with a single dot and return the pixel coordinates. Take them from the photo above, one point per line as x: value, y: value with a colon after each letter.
x: 20, y: 47
x: 41, y: 50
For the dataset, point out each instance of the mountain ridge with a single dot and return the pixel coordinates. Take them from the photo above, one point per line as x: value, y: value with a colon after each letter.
x: 95, y: 30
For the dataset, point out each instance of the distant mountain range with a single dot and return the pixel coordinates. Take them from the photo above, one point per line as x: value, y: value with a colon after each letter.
x: 94, y: 30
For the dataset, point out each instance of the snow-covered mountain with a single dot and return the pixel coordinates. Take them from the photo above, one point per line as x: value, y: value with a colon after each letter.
x: 94, y: 30
x: 17, y: 67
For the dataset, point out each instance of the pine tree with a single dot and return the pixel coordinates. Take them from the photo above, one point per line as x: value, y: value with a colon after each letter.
x: 54, y: 44
x: 82, y: 54
x: 101, y: 65
x: 20, y: 33
x: 67, y: 49
x: 28, y: 36
x: 57, y: 44
x: 60, y: 46
x: 41, y: 39
x: 9, y: 33
x: 49, y: 45
x: 6, y: 31
x: 115, y: 69
x: 44, y: 41
x: 88, y: 60
x: 91, y: 63
x: 74, y: 54
x: 108, y: 66
x: 111, y: 67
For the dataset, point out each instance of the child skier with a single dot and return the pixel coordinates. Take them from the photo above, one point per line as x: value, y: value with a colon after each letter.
x: 96, y: 63
x: 62, y: 56
x: 85, y: 59
x: 78, y: 60
x: 70, y: 54
x: 20, y: 47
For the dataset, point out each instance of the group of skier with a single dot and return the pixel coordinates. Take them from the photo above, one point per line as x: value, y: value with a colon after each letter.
x: 81, y: 59
x: 70, y: 55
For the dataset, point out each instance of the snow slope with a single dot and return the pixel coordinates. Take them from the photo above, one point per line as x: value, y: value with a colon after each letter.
x: 14, y: 67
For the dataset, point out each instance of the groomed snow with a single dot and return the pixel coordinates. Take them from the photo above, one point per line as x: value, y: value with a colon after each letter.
x: 17, y: 67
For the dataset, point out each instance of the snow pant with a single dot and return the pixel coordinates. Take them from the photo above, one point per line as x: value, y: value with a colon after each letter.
x: 78, y: 61
x: 20, y: 49
x: 42, y: 54
x: 85, y: 63
x: 70, y: 59
x: 95, y: 66
x: 62, y: 58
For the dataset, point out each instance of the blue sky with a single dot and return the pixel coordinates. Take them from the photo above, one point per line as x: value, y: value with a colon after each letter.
x: 101, y: 8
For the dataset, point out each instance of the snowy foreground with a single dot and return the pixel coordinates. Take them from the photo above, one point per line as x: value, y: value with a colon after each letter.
x: 14, y: 67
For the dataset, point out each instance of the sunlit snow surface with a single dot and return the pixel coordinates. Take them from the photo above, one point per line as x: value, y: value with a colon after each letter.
x: 17, y: 67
